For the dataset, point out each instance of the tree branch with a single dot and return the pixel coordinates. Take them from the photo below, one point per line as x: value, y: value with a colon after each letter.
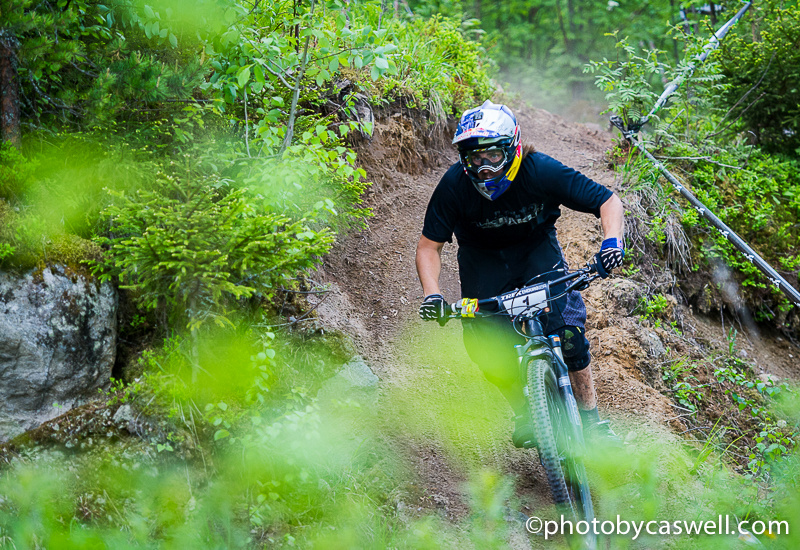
x: 267, y: 60
x: 287, y: 140
x: 756, y: 85
x: 278, y: 75
x: 706, y: 159
x: 740, y: 116
x: 246, y: 125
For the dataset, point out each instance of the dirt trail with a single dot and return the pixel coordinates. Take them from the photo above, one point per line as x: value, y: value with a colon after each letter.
x: 449, y: 420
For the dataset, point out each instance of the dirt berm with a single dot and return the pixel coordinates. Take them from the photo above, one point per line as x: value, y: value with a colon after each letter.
x: 445, y: 418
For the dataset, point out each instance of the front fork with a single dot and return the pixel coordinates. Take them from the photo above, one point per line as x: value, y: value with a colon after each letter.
x: 537, y: 345
x: 564, y: 385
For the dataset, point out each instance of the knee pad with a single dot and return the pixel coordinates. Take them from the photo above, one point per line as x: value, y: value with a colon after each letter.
x: 575, y: 347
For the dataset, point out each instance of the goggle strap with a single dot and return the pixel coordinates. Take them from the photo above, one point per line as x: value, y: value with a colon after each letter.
x: 512, y: 172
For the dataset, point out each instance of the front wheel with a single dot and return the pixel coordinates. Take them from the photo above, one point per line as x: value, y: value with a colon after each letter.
x: 560, y: 446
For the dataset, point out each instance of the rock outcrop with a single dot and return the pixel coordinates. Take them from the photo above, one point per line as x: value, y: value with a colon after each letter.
x: 57, y: 345
x: 355, y: 380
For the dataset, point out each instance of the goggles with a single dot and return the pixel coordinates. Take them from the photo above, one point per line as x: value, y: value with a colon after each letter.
x: 491, y: 158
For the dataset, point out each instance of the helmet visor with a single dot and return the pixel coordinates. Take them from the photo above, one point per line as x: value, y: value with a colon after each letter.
x: 491, y: 158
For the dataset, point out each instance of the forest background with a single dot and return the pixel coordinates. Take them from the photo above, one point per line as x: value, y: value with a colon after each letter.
x: 200, y: 155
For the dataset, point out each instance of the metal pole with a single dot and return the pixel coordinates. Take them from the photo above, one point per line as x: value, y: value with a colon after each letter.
x: 752, y: 256
x: 710, y: 46
x: 630, y: 134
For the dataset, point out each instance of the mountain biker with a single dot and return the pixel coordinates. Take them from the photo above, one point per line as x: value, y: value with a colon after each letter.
x: 501, y: 200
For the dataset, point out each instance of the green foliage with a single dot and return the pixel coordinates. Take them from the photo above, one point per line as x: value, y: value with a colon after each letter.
x: 746, y: 410
x: 542, y: 45
x: 25, y: 241
x: 55, y: 195
x: 237, y: 371
x: 218, y: 469
x: 761, y: 204
x: 15, y: 171
x: 316, y: 177
x: 655, y: 306
x: 684, y: 385
x: 83, y: 62
x: 751, y: 191
x: 427, y: 62
x: 761, y: 62
x: 658, y: 310
x: 127, y: 56
x: 263, y: 44
x: 191, y: 246
x: 237, y: 90
x: 119, y: 392
x: 438, y: 64
x: 628, y: 80
x: 163, y: 134
x: 489, y: 493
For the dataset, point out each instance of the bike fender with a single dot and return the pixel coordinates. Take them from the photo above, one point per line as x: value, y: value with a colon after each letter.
x: 531, y: 354
x: 540, y: 352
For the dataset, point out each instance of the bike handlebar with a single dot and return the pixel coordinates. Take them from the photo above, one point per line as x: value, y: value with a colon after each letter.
x: 517, y: 303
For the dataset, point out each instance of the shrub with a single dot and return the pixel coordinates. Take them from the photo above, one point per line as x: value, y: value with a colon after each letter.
x: 438, y: 64
x: 189, y: 247
x: 753, y: 192
x: 762, y: 65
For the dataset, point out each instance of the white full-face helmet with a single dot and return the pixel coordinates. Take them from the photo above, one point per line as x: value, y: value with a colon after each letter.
x: 488, y: 141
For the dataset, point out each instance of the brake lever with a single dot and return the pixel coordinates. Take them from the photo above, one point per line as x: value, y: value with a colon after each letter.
x: 583, y: 286
x: 452, y: 313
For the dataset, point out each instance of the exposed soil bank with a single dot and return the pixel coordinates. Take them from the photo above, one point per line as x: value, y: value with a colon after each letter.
x: 455, y: 421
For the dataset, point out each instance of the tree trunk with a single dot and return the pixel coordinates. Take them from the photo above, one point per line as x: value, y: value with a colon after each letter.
x: 532, y: 40
x: 564, y: 35
x: 287, y: 140
x: 675, y: 51
x: 9, y: 89
x: 571, y: 18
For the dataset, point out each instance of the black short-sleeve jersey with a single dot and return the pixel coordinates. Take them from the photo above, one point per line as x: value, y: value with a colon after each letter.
x: 525, y: 212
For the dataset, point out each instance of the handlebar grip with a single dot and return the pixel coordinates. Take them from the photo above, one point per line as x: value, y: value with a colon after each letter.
x: 598, y: 268
x: 466, y: 307
x: 469, y: 307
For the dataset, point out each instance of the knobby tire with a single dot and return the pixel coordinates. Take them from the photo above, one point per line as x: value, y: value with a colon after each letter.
x: 559, y: 450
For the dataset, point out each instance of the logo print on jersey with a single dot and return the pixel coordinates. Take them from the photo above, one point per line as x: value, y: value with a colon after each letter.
x: 527, y: 214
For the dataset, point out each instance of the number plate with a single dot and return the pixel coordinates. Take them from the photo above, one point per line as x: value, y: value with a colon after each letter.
x: 526, y: 301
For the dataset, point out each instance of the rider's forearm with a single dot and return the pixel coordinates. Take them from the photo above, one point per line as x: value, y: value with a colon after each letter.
x: 611, y: 218
x: 429, y: 265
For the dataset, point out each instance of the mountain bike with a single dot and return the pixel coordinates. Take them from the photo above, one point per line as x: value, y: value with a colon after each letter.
x: 554, y: 414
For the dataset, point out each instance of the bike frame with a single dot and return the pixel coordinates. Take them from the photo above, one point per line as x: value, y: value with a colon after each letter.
x: 524, y: 306
x: 540, y: 344
x: 537, y: 345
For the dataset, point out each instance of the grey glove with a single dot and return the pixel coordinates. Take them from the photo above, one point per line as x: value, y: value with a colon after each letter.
x: 434, y: 308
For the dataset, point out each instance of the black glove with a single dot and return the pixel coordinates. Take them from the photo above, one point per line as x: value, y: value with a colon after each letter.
x: 610, y: 256
x: 434, y: 308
